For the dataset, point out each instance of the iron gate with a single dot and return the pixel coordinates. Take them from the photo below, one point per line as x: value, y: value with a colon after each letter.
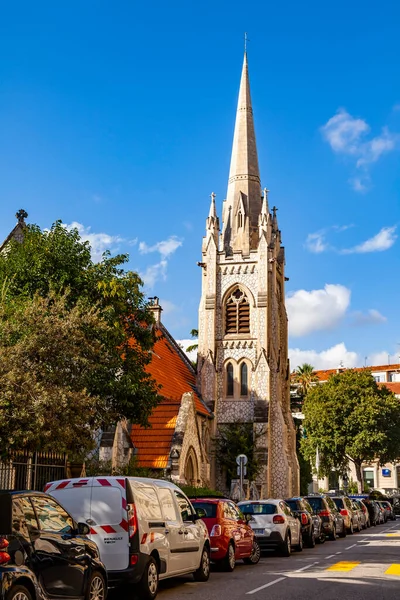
x: 31, y: 470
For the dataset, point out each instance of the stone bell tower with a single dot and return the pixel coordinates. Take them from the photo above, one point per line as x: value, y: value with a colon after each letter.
x: 243, y: 367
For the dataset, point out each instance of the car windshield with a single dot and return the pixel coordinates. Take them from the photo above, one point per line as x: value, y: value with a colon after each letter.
x: 339, y: 503
x: 258, y: 509
x: 292, y: 504
x: 316, y: 503
x: 210, y: 508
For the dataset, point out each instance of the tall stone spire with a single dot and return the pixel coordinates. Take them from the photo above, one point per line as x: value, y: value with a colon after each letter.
x: 243, y: 202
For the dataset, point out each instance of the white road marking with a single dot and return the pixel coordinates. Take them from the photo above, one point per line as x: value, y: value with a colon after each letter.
x: 306, y: 567
x: 338, y: 553
x: 266, y: 585
x: 330, y: 556
x: 348, y: 547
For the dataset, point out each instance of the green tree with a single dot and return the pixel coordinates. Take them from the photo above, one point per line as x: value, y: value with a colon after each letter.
x: 54, y: 263
x: 304, y: 377
x: 194, y: 334
x: 351, y: 418
x: 234, y: 439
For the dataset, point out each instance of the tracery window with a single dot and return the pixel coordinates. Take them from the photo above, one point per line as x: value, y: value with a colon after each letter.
x: 237, y: 313
x: 243, y: 380
x: 229, y: 379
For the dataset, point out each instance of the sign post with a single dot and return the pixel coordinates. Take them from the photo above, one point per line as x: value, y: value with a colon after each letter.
x: 241, y: 461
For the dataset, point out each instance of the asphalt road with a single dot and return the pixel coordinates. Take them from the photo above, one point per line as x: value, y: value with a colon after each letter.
x: 363, y: 566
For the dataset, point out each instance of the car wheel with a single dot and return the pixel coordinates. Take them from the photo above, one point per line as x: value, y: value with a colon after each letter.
x: 286, y: 548
x: 311, y: 539
x: 96, y: 589
x: 351, y: 529
x: 229, y: 562
x: 148, y: 586
x: 332, y: 536
x: 299, y: 546
x: 203, y: 572
x: 254, y: 556
x: 19, y: 592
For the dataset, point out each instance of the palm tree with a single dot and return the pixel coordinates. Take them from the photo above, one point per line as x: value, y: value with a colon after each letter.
x: 194, y: 334
x: 304, y: 377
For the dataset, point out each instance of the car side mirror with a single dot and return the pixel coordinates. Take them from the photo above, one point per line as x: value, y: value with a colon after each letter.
x: 83, y: 529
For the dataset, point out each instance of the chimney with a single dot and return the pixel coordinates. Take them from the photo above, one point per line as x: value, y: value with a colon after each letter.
x: 154, y: 306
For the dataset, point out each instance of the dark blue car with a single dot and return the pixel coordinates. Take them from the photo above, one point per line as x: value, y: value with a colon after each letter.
x: 44, y: 553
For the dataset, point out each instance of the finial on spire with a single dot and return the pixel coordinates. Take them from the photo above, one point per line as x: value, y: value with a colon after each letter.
x: 245, y: 41
x: 213, y: 210
x: 21, y: 215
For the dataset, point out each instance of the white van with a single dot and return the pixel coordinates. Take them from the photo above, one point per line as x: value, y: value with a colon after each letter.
x: 145, y: 529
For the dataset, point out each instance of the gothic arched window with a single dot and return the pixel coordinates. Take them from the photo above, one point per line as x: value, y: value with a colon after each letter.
x: 243, y: 380
x: 237, y: 313
x: 240, y: 219
x: 229, y: 379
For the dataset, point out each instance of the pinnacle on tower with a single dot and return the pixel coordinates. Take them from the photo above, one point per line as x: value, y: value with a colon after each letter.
x: 244, y: 189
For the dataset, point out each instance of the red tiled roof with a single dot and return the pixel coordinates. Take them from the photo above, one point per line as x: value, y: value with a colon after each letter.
x: 324, y: 375
x: 172, y: 370
x: 394, y: 386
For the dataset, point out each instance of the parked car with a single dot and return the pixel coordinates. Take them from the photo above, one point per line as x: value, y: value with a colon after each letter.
x: 373, y: 512
x: 349, y: 513
x: 362, y: 521
x: 365, y: 520
x: 332, y: 521
x: 44, y: 553
x: 231, y: 536
x: 146, y: 529
x: 389, y: 510
x: 303, y: 511
x: 381, y: 513
x: 275, y: 526
x: 383, y: 510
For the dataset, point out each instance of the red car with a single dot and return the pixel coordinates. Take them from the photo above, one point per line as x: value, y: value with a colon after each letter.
x: 230, y: 535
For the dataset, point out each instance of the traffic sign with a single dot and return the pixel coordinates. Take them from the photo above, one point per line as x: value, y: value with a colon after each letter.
x: 241, y: 459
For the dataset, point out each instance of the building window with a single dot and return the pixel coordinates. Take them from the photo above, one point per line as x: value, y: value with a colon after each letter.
x: 377, y: 378
x: 243, y: 380
x: 240, y: 219
x: 237, y: 313
x: 369, y: 478
x: 391, y: 376
x: 229, y: 379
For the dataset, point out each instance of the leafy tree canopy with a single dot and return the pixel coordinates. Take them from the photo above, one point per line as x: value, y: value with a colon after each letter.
x: 56, y: 266
x: 351, y: 418
x: 234, y: 439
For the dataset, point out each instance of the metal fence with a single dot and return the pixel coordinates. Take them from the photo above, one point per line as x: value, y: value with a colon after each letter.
x: 31, y: 470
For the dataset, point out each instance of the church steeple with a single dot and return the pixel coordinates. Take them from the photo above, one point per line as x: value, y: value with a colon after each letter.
x: 243, y: 202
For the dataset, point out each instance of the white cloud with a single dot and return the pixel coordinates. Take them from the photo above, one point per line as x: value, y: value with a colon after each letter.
x: 158, y: 271
x: 99, y: 242
x: 347, y: 135
x: 370, y: 317
x: 331, y: 358
x: 378, y: 243
x: 185, y: 344
x: 168, y: 306
x: 165, y: 248
x: 381, y: 358
x: 317, y: 310
x: 315, y: 242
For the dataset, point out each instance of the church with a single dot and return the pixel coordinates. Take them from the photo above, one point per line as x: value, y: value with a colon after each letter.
x: 243, y: 373
x: 243, y: 367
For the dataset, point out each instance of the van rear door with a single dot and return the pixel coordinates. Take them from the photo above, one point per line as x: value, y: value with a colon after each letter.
x: 109, y: 522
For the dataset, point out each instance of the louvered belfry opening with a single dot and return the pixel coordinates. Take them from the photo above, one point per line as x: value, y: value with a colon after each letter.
x: 237, y: 313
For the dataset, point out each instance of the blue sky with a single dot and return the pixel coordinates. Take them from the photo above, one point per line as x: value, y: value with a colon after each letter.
x: 119, y: 117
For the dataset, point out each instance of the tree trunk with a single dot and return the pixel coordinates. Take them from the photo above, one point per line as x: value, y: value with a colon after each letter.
x: 360, y: 476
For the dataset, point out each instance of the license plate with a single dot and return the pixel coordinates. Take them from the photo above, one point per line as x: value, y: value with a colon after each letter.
x: 259, y: 531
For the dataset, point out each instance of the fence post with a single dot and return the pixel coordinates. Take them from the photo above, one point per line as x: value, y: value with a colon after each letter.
x: 35, y: 467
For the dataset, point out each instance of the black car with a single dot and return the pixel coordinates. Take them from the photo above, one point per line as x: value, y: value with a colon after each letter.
x: 332, y: 520
x: 304, y: 513
x: 44, y: 553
